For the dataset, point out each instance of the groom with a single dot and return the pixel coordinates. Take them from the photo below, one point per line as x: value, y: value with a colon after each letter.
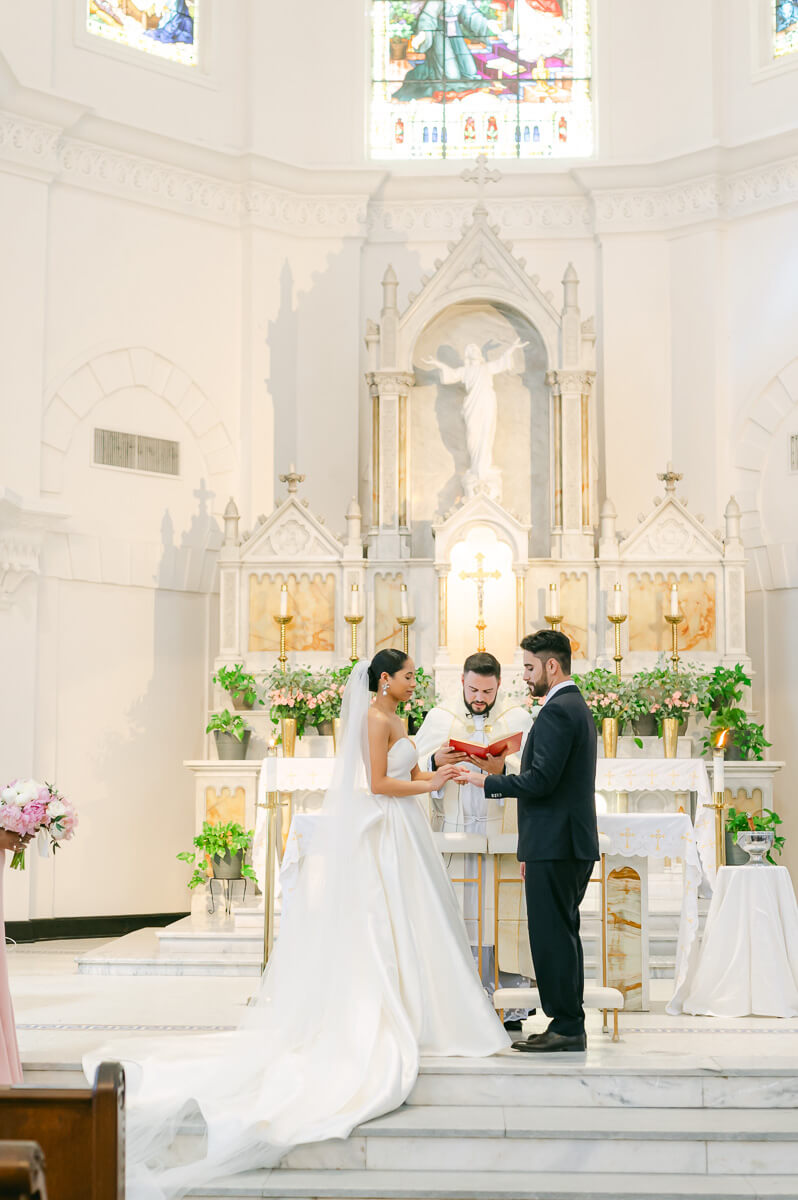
x: 557, y: 835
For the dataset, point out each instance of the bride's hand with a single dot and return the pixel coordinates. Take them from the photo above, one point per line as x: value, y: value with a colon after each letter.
x: 441, y: 777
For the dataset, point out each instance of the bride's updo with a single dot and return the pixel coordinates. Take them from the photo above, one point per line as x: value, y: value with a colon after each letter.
x: 389, y: 661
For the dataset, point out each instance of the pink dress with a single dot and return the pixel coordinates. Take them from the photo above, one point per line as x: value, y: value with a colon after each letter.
x: 10, y: 1066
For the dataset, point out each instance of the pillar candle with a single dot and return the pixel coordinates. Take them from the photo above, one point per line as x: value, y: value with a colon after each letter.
x: 718, y: 781
x: 404, y: 601
x: 354, y: 601
x: 674, y: 600
x: 284, y: 600
x: 552, y: 601
x: 617, y: 605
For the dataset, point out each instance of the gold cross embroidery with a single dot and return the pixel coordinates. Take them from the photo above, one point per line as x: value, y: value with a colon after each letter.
x: 627, y: 834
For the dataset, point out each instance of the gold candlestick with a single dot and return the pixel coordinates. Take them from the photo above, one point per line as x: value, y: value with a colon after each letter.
x: 283, y: 622
x: 555, y: 622
x: 406, y: 622
x: 618, y: 621
x: 272, y: 806
x: 353, y: 623
x: 674, y: 623
x: 718, y: 804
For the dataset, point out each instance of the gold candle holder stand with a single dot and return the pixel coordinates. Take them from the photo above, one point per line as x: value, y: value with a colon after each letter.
x: 283, y: 622
x: 718, y: 805
x: 353, y: 623
x: 617, y: 656
x: 272, y: 806
x: 674, y: 623
x: 555, y: 622
x: 406, y: 622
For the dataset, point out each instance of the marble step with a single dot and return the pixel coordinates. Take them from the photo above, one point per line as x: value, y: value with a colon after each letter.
x: 141, y: 953
x: 498, y: 1185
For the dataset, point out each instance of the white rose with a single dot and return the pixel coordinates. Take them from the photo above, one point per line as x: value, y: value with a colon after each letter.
x: 29, y: 791
x: 9, y: 795
x: 56, y: 808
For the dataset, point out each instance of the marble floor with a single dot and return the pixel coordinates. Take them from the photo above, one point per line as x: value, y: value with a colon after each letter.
x: 62, y: 1014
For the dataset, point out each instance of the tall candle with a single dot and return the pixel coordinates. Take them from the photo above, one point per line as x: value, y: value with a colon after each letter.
x: 718, y: 781
x: 354, y: 601
x: 674, y: 600
x: 552, y: 601
x: 404, y: 601
x: 284, y: 600
x: 617, y: 605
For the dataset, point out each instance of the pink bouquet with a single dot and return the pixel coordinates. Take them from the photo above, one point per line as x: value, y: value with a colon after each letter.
x: 29, y: 809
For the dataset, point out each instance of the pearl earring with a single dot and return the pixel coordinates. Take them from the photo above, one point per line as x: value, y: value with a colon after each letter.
x: 385, y: 689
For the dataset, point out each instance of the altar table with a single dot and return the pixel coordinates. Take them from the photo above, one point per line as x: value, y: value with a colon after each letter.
x: 748, y: 961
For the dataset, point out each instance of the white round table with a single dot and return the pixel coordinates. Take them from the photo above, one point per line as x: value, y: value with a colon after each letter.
x: 748, y: 962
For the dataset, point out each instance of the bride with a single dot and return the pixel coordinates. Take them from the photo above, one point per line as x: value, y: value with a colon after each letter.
x: 372, y: 969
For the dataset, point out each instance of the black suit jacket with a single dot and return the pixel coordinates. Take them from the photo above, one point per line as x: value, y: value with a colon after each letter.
x: 556, y: 787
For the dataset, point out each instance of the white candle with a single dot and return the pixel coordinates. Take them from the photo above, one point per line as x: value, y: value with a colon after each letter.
x: 718, y: 781
x: 354, y: 601
x: 284, y: 600
x: 552, y: 601
x: 674, y: 600
x: 617, y: 609
x: 403, y: 601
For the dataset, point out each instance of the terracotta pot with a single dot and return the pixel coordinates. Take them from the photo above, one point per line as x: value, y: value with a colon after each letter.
x: 399, y: 48
x: 288, y: 736
x: 670, y: 736
x: 609, y: 736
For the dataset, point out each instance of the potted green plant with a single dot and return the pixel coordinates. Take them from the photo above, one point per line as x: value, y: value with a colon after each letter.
x: 738, y: 821
x: 424, y: 698
x: 220, y: 849
x: 232, y: 734
x: 241, y: 686
x: 723, y: 688
x: 746, y: 739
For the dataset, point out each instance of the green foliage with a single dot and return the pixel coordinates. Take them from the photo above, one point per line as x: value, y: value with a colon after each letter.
x: 723, y: 689
x: 238, y: 682
x: 213, y: 841
x: 226, y: 722
x: 402, y: 19
x: 609, y: 697
x: 747, y: 736
x: 764, y: 820
x: 424, y: 698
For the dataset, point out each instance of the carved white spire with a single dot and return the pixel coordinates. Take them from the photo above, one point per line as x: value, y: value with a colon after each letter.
x: 292, y: 479
x: 389, y: 323
x: 231, y: 522
x: 608, y: 530
x: 353, y: 523
x: 571, y: 318
x: 733, y: 517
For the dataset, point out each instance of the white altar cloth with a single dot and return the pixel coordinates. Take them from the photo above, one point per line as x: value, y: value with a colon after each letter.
x: 285, y: 775
x: 663, y: 835
x: 666, y: 775
x: 748, y: 961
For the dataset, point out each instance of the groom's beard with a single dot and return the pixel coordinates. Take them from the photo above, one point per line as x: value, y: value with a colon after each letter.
x: 479, y: 710
x: 540, y: 689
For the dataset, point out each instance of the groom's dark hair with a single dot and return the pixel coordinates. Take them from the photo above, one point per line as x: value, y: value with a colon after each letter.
x: 483, y: 664
x: 549, y: 643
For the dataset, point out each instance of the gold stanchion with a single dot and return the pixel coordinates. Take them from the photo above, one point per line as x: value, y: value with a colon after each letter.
x: 283, y: 620
x: 272, y: 806
x: 406, y: 622
x: 719, y: 797
x: 674, y: 619
x: 617, y: 616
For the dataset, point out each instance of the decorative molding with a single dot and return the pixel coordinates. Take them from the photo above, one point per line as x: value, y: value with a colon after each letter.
x: 23, y: 527
x: 291, y: 535
x: 102, y: 376
x: 670, y: 534
x: 544, y: 217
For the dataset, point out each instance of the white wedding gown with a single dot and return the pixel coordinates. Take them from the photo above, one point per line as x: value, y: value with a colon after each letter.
x: 372, y: 969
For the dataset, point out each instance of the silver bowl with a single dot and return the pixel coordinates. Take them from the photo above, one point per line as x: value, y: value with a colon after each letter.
x: 756, y: 843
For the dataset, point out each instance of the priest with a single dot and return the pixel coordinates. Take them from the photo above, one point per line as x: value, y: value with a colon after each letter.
x: 465, y: 809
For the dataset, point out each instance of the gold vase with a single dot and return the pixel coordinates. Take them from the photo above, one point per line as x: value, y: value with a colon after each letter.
x: 336, y: 733
x: 288, y: 736
x: 670, y: 735
x: 609, y: 736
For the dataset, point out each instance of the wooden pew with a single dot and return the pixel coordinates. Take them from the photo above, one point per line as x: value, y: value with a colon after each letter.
x: 80, y: 1130
x: 22, y: 1171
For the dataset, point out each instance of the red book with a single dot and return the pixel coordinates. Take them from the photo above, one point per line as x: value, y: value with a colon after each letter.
x: 509, y: 744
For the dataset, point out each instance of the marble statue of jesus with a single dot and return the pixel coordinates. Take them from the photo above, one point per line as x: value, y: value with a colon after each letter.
x: 479, y: 412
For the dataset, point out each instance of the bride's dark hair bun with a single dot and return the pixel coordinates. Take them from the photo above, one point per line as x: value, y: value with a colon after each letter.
x: 389, y: 661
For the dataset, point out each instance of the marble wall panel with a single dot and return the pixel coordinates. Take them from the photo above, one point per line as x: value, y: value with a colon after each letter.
x: 573, y: 605
x: 387, y: 607
x: 624, y: 935
x: 311, y: 602
x: 225, y: 805
x: 648, y: 603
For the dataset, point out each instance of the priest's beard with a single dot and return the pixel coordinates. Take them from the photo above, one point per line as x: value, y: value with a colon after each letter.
x: 479, y: 708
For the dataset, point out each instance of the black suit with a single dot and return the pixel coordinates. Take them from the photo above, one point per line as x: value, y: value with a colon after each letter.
x: 558, y: 840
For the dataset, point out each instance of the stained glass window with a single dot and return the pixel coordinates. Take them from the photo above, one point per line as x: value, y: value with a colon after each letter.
x: 167, y: 28
x: 458, y: 78
x: 785, y: 33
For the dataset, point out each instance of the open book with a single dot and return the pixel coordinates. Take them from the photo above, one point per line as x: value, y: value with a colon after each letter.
x: 508, y: 745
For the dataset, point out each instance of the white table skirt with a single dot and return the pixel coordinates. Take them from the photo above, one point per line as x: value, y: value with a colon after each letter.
x: 748, y: 962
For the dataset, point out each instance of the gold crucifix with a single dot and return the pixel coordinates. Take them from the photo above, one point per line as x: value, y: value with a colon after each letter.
x: 479, y: 577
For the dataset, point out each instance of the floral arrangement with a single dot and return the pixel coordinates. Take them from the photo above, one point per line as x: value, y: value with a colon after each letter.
x: 674, y: 695
x: 608, y: 697
x: 29, y: 808
x: 293, y: 693
x: 424, y: 698
x: 764, y: 820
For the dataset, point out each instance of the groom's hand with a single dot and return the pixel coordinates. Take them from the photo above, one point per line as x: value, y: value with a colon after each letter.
x: 472, y: 777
